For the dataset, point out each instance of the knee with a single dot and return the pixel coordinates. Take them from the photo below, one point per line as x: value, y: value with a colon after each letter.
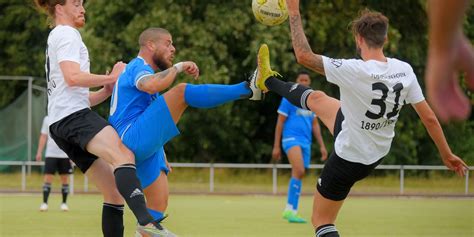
x: 125, y: 156
x: 179, y: 89
x: 298, y: 173
x: 316, y: 95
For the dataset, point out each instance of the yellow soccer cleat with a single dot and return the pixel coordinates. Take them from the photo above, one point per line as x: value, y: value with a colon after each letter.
x: 264, y: 70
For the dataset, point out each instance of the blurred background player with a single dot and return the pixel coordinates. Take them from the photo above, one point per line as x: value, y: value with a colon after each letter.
x: 450, y: 54
x: 296, y: 125
x: 146, y: 120
x: 372, y: 91
x: 87, y: 138
x: 55, y: 161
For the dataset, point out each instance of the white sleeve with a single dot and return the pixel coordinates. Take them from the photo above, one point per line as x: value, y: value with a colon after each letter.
x: 68, y: 47
x: 45, y: 126
x: 415, y: 94
x: 340, y: 71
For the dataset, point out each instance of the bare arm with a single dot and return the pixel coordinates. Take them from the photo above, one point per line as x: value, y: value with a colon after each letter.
x: 304, y: 53
x: 431, y: 123
x: 97, y: 97
x: 276, y: 153
x: 75, y: 77
x: 41, y: 144
x: 319, y: 138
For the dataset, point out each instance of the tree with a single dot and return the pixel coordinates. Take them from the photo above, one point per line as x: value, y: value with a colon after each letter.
x: 223, y: 39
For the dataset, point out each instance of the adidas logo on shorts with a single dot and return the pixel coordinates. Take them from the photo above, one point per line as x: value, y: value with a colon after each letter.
x: 136, y: 192
x: 319, y: 182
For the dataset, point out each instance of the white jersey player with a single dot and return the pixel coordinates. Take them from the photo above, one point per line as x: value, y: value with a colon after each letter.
x: 372, y: 90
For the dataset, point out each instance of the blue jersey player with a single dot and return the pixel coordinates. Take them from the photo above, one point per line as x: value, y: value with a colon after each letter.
x: 146, y: 120
x: 293, y: 131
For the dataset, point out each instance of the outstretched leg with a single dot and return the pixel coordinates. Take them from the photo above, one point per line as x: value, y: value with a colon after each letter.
x: 203, y: 96
x: 304, y: 97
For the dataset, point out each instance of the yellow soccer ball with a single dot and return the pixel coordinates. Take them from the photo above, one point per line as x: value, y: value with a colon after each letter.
x: 270, y: 12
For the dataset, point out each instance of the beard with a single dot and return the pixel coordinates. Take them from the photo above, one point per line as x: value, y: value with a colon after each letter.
x: 160, y: 62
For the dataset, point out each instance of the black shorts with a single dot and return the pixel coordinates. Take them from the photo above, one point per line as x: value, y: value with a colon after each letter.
x: 73, y: 133
x: 60, y: 165
x: 339, y: 175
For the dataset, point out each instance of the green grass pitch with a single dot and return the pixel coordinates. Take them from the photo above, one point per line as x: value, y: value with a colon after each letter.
x: 213, y: 215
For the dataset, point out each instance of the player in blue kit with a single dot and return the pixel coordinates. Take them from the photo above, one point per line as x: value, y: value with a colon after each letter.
x: 296, y: 125
x: 146, y: 120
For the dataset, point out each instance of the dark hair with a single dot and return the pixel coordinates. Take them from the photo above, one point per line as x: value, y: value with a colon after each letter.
x: 302, y: 72
x: 372, y: 26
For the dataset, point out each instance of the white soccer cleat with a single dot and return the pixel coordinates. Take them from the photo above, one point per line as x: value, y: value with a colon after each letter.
x: 64, y: 207
x: 44, y: 207
x: 256, y: 92
x: 154, y: 229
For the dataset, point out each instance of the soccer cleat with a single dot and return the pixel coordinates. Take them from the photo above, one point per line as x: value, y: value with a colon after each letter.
x: 44, y: 207
x: 286, y: 214
x: 296, y: 219
x: 292, y: 217
x: 153, y: 229
x: 64, y: 207
x: 264, y: 70
x: 256, y: 92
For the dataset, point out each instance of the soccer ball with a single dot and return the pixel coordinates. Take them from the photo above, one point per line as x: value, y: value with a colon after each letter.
x: 270, y: 12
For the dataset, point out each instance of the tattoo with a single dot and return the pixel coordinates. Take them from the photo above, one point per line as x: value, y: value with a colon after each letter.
x: 302, y: 48
x: 142, y: 83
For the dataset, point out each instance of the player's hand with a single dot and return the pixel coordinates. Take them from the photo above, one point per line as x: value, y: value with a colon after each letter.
x: 191, y: 69
x: 109, y: 88
x: 324, y: 153
x: 169, y: 167
x: 453, y: 162
x: 117, y: 70
x: 276, y: 153
x: 38, y: 157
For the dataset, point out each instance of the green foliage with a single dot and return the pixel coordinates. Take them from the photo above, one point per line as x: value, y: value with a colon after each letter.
x: 222, y: 38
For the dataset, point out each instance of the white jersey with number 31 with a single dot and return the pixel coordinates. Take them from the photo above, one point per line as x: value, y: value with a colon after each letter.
x: 65, y: 44
x: 372, y: 94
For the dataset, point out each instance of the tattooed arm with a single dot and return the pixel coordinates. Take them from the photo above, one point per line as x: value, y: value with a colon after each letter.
x: 303, y: 52
x: 157, y: 82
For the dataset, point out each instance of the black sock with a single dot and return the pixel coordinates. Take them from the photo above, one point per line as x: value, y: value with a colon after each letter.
x: 293, y: 92
x: 112, y: 220
x: 46, y: 191
x: 328, y: 230
x: 131, y: 190
x: 65, y: 192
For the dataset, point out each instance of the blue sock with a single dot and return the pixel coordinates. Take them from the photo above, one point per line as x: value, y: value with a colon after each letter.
x: 155, y: 214
x: 294, y: 189
x: 212, y: 95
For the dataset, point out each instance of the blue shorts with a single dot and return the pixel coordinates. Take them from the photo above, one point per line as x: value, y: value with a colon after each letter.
x: 147, y: 135
x: 149, y: 169
x: 289, y: 142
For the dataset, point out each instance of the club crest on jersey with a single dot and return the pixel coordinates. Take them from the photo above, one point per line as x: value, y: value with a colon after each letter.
x: 336, y: 62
